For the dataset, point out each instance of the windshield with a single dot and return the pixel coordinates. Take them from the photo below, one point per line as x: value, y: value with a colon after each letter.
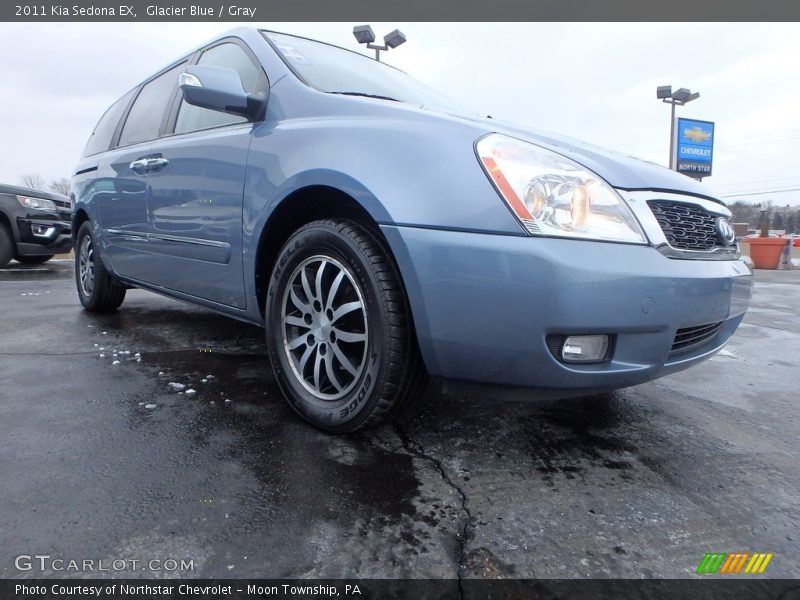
x: 338, y: 71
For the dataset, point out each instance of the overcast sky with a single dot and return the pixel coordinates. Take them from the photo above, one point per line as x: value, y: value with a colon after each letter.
x: 591, y: 81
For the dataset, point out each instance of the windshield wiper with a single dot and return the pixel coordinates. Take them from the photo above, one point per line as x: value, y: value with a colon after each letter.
x: 365, y: 95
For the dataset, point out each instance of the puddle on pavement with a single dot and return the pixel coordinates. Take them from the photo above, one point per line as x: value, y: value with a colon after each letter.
x: 258, y: 430
x: 234, y: 376
x: 553, y: 439
x: 570, y: 437
x: 180, y: 327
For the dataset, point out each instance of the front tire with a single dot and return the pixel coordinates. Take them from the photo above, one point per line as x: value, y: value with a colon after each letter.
x: 34, y: 260
x: 339, y: 331
x: 97, y: 290
x: 6, y: 245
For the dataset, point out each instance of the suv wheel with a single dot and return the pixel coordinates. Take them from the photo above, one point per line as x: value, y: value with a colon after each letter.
x: 97, y: 290
x: 34, y: 260
x: 339, y: 331
x: 6, y: 245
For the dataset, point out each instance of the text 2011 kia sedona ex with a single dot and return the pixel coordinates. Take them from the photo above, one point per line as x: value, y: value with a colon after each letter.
x: 381, y: 235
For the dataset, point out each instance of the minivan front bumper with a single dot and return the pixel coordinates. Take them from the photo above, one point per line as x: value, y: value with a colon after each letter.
x: 484, y: 306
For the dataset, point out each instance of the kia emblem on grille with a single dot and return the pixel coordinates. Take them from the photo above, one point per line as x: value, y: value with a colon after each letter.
x: 725, y: 231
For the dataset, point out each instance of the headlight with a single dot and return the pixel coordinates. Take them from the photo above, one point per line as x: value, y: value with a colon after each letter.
x: 36, y: 203
x: 554, y: 196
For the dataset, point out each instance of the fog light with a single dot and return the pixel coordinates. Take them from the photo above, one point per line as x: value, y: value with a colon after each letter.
x: 585, y: 348
x: 44, y: 231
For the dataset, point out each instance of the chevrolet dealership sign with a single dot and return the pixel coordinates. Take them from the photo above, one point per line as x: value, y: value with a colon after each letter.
x: 694, y: 148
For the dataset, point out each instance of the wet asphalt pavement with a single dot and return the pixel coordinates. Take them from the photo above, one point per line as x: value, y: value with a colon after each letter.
x: 639, y: 484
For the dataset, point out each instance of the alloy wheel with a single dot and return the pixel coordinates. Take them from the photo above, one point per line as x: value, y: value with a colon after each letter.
x: 86, y: 265
x: 325, y: 327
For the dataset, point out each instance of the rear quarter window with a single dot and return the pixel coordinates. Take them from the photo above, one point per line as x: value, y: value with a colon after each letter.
x: 103, y: 133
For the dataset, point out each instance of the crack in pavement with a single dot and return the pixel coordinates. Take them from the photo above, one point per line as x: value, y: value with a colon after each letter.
x: 416, y: 449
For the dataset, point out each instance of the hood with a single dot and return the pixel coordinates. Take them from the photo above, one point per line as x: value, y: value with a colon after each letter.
x: 620, y: 170
x: 16, y: 190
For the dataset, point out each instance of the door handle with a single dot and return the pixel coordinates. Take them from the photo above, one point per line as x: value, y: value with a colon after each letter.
x: 143, y: 166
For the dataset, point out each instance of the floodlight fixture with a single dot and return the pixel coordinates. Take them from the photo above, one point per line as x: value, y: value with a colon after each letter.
x: 681, y: 94
x: 663, y: 91
x: 365, y: 35
x: 394, y: 39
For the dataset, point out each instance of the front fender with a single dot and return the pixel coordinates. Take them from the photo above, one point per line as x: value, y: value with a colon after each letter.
x: 261, y: 199
x: 411, y: 170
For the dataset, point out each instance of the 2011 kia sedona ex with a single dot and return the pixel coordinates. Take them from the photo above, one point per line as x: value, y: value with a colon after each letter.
x: 382, y: 234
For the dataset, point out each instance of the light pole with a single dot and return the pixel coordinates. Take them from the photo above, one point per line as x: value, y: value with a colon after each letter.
x: 364, y: 35
x: 679, y: 97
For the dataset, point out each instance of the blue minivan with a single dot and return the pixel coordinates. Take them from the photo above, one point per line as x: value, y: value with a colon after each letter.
x: 383, y: 234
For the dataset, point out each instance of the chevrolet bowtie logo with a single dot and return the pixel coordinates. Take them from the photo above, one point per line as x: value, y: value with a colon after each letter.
x: 697, y: 135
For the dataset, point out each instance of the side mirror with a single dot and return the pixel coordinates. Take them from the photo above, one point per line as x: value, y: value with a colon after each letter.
x: 217, y: 88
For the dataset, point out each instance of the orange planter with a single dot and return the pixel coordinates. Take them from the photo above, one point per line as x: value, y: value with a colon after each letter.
x: 765, y: 251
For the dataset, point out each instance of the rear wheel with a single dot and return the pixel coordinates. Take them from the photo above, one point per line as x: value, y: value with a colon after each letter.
x: 339, y: 331
x: 6, y: 245
x: 97, y: 290
x: 34, y: 260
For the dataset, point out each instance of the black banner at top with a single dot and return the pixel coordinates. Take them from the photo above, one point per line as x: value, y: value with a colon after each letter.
x: 396, y: 10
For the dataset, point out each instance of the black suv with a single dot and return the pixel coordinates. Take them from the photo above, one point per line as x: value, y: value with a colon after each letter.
x: 34, y: 225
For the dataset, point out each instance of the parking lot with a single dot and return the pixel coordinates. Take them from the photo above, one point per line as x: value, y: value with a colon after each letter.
x: 639, y: 484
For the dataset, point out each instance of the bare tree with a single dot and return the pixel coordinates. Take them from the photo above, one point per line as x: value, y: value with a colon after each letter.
x: 33, y: 181
x: 790, y: 223
x: 60, y: 186
x: 744, y: 212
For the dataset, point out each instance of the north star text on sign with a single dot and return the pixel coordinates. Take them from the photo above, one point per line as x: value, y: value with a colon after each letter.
x: 231, y: 10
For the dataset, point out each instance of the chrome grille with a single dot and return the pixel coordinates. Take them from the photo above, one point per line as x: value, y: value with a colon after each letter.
x: 686, y: 226
x: 688, y: 338
x: 64, y: 209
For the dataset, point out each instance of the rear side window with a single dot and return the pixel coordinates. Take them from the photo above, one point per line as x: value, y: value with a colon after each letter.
x: 229, y: 56
x: 100, y: 140
x: 147, y: 113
